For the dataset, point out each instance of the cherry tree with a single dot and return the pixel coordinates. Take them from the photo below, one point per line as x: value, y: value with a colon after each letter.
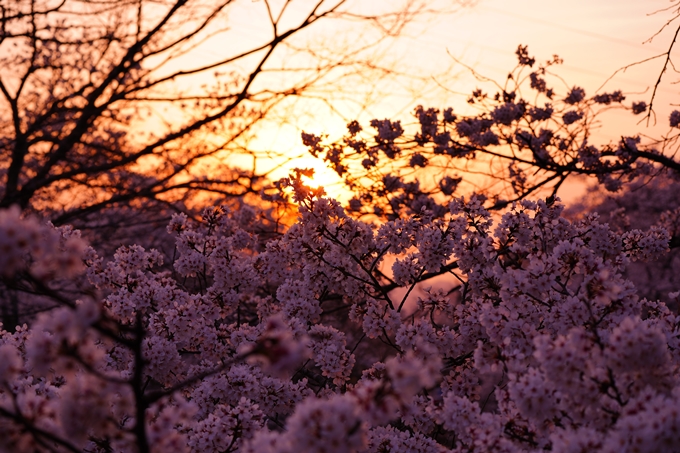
x: 640, y: 205
x: 525, y: 138
x: 437, y: 325
x: 301, y: 343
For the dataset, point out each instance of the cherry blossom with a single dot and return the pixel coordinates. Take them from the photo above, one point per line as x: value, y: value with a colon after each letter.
x: 443, y: 327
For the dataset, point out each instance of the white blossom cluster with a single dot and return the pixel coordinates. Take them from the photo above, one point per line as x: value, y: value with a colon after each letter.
x: 332, y: 338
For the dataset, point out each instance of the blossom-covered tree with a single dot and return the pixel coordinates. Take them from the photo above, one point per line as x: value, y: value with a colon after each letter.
x: 302, y: 343
x: 640, y: 205
x: 435, y: 327
x: 525, y: 138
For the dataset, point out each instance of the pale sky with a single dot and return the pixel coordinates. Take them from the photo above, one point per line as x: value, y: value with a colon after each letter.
x: 594, y: 37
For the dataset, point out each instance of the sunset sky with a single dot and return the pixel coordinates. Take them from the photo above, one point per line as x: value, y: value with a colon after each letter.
x: 594, y: 37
